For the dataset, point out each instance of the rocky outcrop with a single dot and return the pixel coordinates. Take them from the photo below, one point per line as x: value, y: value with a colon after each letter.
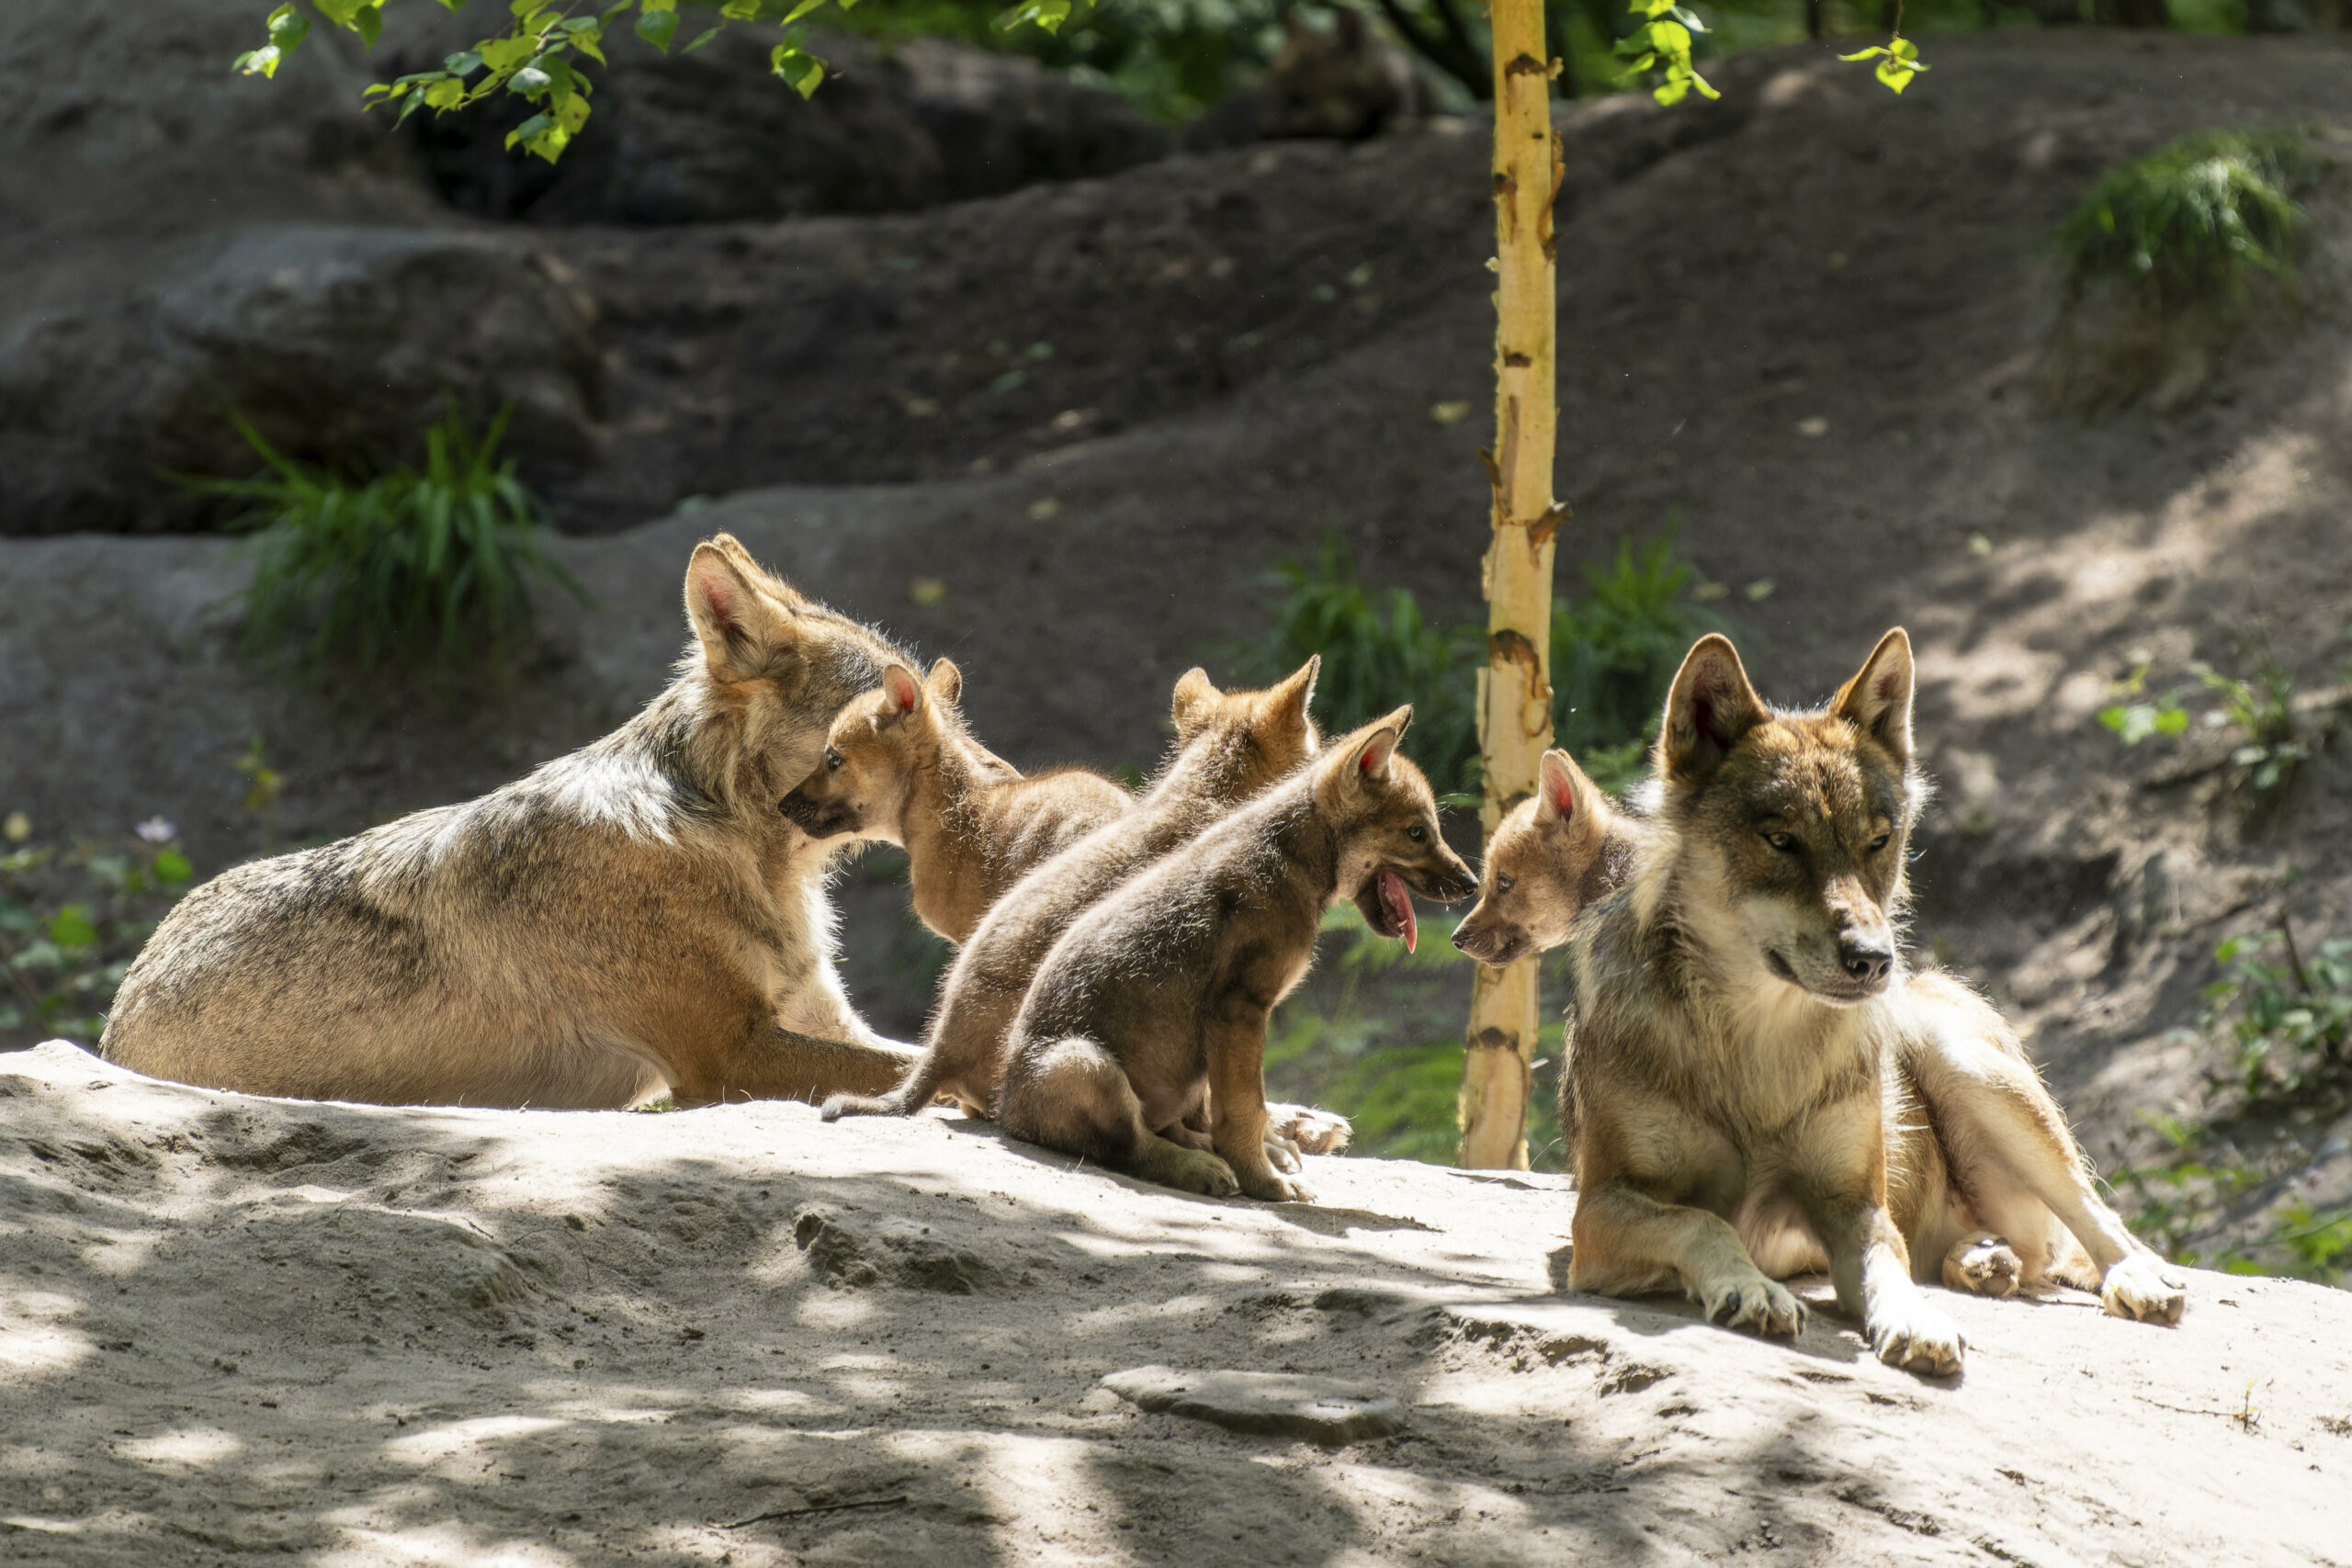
x: 338, y: 343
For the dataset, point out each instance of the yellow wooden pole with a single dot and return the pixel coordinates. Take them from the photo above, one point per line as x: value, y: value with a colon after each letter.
x: 1515, y: 687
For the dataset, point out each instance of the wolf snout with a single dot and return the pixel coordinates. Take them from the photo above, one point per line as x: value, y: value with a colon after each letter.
x: 812, y: 818
x: 1866, y: 958
x: 1496, y: 945
x: 1444, y: 885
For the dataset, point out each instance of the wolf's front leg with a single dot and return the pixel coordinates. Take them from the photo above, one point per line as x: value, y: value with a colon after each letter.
x: 1872, y: 1269
x: 1627, y: 1243
x: 1237, y: 1060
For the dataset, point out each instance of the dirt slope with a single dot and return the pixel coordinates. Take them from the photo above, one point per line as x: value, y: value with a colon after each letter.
x: 236, y: 1327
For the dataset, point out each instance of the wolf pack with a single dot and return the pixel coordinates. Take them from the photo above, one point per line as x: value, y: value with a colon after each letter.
x: 1757, y: 1085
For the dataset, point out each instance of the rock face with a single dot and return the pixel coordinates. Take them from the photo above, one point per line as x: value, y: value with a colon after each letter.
x: 375, y: 1335
x: 338, y: 343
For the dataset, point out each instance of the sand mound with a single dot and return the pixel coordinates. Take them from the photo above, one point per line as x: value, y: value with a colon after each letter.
x: 349, y: 1334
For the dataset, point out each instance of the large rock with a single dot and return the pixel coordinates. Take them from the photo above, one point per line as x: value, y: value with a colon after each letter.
x: 340, y: 344
x: 714, y: 136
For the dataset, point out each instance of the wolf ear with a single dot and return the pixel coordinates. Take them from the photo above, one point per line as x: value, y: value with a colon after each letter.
x: 1367, y: 761
x: 1296, y: 692
x: 1563, y: 793
x: 1710, y: 706
x: 945, y: 682
x: 1878, y: 700
x: 902, y: 692
x: 740, y: 623
x: 1195, y: 701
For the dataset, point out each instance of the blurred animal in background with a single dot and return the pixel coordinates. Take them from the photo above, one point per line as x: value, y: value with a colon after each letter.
x: 1149, y: 1015
x: 633, y: 920
x: 900, y: 767
x: 1758, y: 1087
x: 1341, y: 84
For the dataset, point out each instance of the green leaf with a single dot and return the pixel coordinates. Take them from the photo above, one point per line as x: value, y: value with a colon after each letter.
x: 538, y: 124
x: 368, y: 23
x: 531, y: 81
x: 700, y: 41
x: 171, y: 867
x: 655, y: 28
x: 446, y: 94
x: 740, y: 10
x: 1870, y: 53
x: 71, y: 927
x: 262, y: 62
x: 289, y: 27
x: 800, y: 10
x: 800, y: 68
x: 2171, y: 721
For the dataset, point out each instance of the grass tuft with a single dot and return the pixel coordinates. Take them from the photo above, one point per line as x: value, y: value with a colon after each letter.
x: 2191, y: 220
x: 409, y: 567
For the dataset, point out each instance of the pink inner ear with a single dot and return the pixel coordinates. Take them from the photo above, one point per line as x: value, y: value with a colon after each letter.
x: 1563, y: 797
x: 717, y: 600
x: 1887, y: 684
x: 1366, y: 761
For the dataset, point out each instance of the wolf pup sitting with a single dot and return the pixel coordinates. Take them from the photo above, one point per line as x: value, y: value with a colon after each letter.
x: 900, y: 766
x: 1759, y: 1091
x: 1230, y: 745
x: 635, y: 919
x: 1159, y: 998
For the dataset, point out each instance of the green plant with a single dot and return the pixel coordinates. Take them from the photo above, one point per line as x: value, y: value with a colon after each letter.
x: 2135, y: 721
x: 406, y: 566
x: 2264, y: 711
x: 2191, y: 220
x: 1614, y: 649
x: 71, y: 919
x: 2289, y: 1017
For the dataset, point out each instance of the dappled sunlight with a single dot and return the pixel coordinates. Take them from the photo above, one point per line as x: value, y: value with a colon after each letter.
x: 188, y: 1448
x: 34, y: 1341
x: 446, y: 1545
x: 455, y: 1449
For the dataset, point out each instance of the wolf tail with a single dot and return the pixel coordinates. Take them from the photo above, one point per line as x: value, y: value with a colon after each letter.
x: 914, y: 1091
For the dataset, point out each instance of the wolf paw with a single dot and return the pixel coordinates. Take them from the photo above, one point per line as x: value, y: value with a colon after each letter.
x: 1757, y: 1305
x: 1197, y: 1170
x: 1282, y: 1154
x: 1915, y: 1337
x: 2141, y: 1287
x: 1984, y: 1266
x: 1275, y: 1187
x: 1189, y: 1137
x: 1313, y: 1132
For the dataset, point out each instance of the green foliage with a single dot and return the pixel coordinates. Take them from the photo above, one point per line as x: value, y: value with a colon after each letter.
x: 2223, y: 1192
x: 403, y: 567
x: 1898, y: 62
x: 1658, y: 51
x: 1614, y: 649
x: 70, y: 920
x: 2191, y: 219
x: 1378, y: 654
x: 2262, y: 710
x: 2288, y: 1013
x: 538, y: 56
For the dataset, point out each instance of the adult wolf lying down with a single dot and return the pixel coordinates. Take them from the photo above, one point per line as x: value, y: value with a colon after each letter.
x: 1758, y: 1087
x: 635, y: 919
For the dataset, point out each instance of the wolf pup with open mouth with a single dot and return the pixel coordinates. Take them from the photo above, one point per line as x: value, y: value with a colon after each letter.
x: 1161, y: 995
x: 1761, y: 1091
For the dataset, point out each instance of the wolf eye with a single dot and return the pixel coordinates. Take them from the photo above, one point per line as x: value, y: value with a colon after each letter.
x: 1502, y: 883
x: 1879, y: 842
x: 1418, y: 833
x: 1784, y: 843
x: 833, y: 761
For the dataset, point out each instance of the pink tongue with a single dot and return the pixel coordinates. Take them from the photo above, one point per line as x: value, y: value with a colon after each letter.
x: 1399, y: 904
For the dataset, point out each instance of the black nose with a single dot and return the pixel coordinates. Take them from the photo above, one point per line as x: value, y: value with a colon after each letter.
x: 1866, y: 958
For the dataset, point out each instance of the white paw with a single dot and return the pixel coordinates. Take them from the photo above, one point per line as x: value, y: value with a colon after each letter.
x: 1314, y: 1132
x: 1984, y: 1266
x: 1755, y: 1304
x: 1910, y: 1333
x: 2141, y: 1287
x: 1282, y: 1154
x: 1275, y: 1187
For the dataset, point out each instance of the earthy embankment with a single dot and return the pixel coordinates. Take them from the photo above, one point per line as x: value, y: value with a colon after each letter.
x: 237, y: 1330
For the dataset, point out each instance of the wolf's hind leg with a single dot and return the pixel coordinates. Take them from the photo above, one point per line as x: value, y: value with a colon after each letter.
x: 1308, y: 1130
x: 2004, y: 1135
x: 1983, y: 1265
x: 1074, y: 1096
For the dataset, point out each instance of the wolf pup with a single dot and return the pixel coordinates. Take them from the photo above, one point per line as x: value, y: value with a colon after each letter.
x: 900, y: 766
x: 1159, y: 1000
x: 1760, y: 1093
x: 635, y: 919
x: 1551, y: 856
x: 1230, y: 745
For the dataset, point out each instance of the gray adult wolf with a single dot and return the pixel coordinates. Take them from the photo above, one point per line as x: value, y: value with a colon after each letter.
x: 635, y: 919
x: 1760, y: 1089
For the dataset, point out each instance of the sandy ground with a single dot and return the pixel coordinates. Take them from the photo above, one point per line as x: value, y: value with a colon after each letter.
x: 236, y: 1330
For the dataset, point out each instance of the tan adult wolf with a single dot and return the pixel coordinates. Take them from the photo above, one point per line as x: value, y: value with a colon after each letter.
x: 636, y: 917
x: 1758, y: 1087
